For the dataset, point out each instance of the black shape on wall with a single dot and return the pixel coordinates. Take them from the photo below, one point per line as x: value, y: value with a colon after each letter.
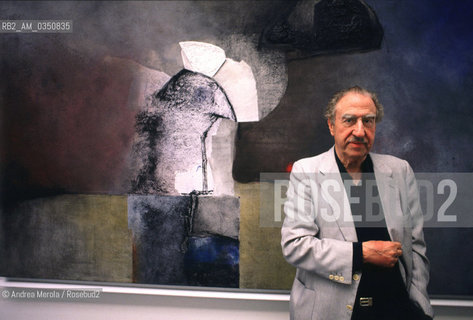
x: 331, y: 26
x: 171, y: 132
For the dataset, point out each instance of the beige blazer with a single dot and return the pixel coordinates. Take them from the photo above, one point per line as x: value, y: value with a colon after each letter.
x: 318, y: 232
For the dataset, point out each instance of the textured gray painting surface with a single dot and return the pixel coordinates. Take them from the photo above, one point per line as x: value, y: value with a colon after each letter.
x: 173, y: 129
x: 69, y: 237
x: 159, y: 225
x: 176, y: 243
x: 217, y: 215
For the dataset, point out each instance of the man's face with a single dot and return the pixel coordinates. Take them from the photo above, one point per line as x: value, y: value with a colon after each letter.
x: 354, y: 126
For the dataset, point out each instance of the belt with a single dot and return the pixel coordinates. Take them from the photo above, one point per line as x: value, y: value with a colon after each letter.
x: 366, y: 301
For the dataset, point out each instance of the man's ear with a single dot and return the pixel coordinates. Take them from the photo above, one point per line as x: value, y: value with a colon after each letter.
x: 330, y: 126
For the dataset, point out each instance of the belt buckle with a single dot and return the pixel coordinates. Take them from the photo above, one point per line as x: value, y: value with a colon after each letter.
x: 366, y: 302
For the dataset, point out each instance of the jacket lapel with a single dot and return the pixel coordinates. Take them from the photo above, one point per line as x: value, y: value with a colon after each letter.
x: 389, y: 195
x: 391, y: 203
x: 388, y: 192
x: 329, y: 171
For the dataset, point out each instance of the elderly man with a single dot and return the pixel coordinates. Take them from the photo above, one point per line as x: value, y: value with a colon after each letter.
x: 353, y: 225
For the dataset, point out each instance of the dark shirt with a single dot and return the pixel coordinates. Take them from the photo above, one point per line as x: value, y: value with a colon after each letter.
x: 366, y: 229
x: 383, y: 284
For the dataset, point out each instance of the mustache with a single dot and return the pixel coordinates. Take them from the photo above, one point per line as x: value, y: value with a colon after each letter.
x: 358, y: 140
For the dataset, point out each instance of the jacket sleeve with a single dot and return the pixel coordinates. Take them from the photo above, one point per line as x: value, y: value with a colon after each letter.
x: 301, y: 243
x: 420, y: 263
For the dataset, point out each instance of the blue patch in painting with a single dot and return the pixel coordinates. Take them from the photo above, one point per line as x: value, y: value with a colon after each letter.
x: 213, y: 249
x: 212, y: 261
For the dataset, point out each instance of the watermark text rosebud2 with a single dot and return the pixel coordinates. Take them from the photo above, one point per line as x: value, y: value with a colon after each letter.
x: 445, y: 199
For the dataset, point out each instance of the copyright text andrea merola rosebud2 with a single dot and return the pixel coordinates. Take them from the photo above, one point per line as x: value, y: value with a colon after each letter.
x: 51, y: 294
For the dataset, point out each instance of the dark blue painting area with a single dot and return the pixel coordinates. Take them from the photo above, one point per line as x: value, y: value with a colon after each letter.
x: 423, y: 75
x: 429, y: 51
x: 212, y: 261
x: 433, y: 49
x: 450, y: 261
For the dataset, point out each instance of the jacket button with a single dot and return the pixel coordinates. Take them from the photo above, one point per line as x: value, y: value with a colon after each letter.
x: 349, y: 307
x: 356, y: 277
x: 342, y: 278
x: 336, y: 278
x: 330, y: 277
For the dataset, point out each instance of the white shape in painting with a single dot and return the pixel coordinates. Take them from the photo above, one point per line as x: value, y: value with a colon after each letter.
x: 191, y: 180
x: 238, y: 82
x: 221, y: 157
x: 268, y: 66
x: 202, y: 57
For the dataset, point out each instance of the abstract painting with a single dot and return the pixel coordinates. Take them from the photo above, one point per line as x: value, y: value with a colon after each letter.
x: 132, y: 147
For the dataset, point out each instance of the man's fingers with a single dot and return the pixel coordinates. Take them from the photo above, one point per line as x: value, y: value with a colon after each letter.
x: 382, y: 253
x: 397, y: 245
x: 397, y: 253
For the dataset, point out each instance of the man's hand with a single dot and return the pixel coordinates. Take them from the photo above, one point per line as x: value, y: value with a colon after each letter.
x: 381, y: 253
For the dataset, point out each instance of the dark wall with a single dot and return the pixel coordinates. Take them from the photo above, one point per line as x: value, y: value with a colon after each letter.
x: 423, y: 75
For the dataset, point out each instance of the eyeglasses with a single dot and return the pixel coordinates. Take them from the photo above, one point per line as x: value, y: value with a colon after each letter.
x: 368, y: 121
